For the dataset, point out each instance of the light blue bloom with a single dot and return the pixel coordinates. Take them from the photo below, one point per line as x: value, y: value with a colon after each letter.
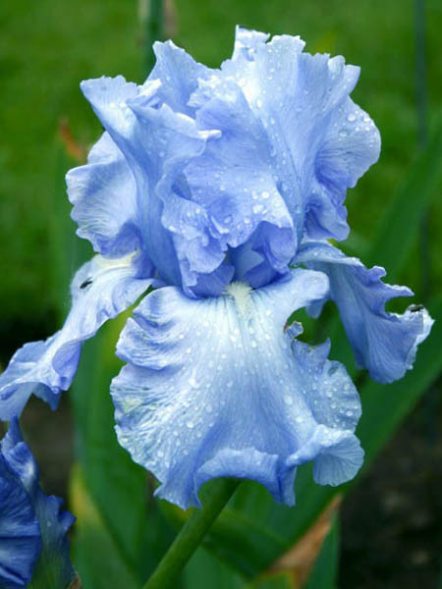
x: 213, y: 185
x: 32, y: 524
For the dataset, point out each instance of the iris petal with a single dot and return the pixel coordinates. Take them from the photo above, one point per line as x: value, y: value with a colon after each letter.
x: 350, y: 146
x: 179, y: 75
x: 45, y: 522
x: 104, y: 196
x: 20, y: 542
x: 384, y: 343
x: 234, y: 181
x: 321, y: 140
x: 158, y: 143
x: 101, y: 289
x: 218, y: 387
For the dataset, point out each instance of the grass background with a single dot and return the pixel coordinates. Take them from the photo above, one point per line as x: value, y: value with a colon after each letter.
x: 48, y: 47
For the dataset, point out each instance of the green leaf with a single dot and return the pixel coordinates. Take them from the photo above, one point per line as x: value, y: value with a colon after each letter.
x: 385, y: 406
x: 119, y: 487
x: 281, y: 580
x: 95, y: 550
x: 325, y: 570
x: 204, y: 570
x: 399, y: 226
x: 254, y: 531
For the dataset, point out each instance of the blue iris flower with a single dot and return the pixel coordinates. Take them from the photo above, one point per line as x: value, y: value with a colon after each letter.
x: 32, y: 524
x: 220, y: 188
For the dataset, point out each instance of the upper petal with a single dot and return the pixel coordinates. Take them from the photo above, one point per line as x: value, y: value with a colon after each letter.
x: 384, y: 343
x: 234, y: 181
x: 217, y: 387
x: 157, y: 143
x: 351, y: 145
x: 104, y: 196
x: 323, y: 142
x: 179, y: 75
x: 101, y: 289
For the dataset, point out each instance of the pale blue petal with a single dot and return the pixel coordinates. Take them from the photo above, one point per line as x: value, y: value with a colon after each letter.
x: 217, y: 387
x: 101, y: 289
x: 322, y: 142
x: 384, y: 343
x: 104, y: 196
x: 246, y: 43
x: 179, y: 75
x: 158, y: 143
x: 351, y: 145
x: 234, y: 181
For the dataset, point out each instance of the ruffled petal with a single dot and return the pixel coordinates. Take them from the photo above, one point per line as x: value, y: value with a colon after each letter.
x: 20, y: 542
x: 351, y: 145
x: 179, y: 75
x: 101, y: 289
x: 53, y: 523
x: 321, y: 141
x: 225, y: 167
x: 157, y: 144
x: 247, y: 42
x: 234, y: 181
x: 384, y: 343
x: 218, y: 387
x: 104, y: 196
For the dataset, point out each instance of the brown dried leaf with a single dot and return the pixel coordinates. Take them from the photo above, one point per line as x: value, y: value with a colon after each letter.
x: 299, y: 560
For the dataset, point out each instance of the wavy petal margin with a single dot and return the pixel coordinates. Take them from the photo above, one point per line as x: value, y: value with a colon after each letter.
x: 218, y: 387
x: 384, y: 343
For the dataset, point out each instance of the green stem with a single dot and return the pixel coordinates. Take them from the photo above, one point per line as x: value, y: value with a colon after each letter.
x: 191, y: 535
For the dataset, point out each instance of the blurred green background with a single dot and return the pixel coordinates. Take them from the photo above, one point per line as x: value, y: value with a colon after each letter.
x: 48, y: 47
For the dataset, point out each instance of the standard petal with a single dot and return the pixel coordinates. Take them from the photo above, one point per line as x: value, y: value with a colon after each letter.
x: 101, y: 289
x: 218, y: 387
x: 322, y: 142
x: 351, y: 145
x: 179, y: 75
x: 384, y: 343
x: 104, y: 196
x: 157, y: 144
x: 246, y: 43
x: 234, y: 182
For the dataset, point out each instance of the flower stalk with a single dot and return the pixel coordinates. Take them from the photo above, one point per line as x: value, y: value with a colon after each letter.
x: 191, y: 535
